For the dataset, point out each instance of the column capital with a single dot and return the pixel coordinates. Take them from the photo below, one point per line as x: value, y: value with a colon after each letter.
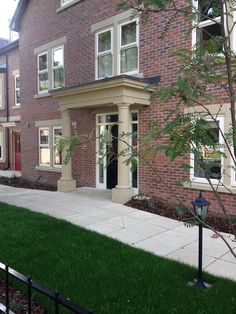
x: 123, y: 105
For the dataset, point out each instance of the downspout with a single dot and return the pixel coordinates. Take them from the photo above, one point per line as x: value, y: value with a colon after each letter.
x: 7, y: 113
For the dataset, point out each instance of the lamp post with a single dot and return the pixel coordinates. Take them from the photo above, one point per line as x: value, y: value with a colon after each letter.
x: 200, y: 206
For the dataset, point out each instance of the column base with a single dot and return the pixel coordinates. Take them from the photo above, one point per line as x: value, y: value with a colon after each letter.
x: 66, y: 185
x: 122, y: 194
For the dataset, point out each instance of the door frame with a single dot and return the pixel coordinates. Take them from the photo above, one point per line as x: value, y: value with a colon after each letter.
x: 14, y: 149
x: 98, y: 156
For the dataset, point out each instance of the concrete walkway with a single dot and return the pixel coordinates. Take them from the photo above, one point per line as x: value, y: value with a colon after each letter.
x: 94, y: 210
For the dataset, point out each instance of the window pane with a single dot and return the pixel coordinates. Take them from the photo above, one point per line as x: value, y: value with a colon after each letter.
x: 58, y: 78
x: 43, y: 62
x: 104, y: 41
x: 44, y: 136
x: 43, y: 81
x: 209, y: 9
x: 1, y: 144
x: 129, y: 60
x: 112, y: 118
x: 17, y: 82
x: 45, y: 156
x: 128, y: 34
x: 210, y: 32
x: 17, y: 97
x: 57, y: 57
x: 134, y: 116
x: 105, y: 66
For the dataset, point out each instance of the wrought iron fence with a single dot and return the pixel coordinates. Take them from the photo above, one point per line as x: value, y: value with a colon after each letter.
x: 32, y: 285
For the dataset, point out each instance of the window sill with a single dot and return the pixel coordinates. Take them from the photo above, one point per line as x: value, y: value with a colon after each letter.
x: 66, y: 6
x: 16, y: 107
x: 48, y: 169
x: 206, y: 187
x: 38, y: 96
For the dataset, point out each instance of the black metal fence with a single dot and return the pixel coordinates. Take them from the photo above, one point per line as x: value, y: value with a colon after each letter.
x: 31, y: 285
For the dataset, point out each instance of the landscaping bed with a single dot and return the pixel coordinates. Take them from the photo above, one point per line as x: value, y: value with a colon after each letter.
x: 165, y: 209
x: 18, y: 301
x: 20, y: 182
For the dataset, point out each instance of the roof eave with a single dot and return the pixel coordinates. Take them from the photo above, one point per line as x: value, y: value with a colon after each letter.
x: 17, y: 17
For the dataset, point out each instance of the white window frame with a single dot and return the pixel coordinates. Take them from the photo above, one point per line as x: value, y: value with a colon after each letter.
x: 2, y: 90
x: 2, y: 143
x: 130, y: 173
x: 17, y: 89
x: 57, y: 67
x: 194, y: 179
x: 43, y: 71
x: 65, y: 2
x: 54, y: 144
x: 44, y: 146
x: 134, y: 44
x: 104, y: 53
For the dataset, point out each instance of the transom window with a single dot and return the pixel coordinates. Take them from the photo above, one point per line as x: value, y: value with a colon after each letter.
x: 51, y: 69
x: 117, y: 50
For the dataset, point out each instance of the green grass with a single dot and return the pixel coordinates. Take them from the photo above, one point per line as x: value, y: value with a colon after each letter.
x: 103, y: 274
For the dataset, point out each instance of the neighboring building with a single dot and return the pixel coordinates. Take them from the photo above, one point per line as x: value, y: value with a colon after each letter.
x: 83, y: 67
x: 10, y: 158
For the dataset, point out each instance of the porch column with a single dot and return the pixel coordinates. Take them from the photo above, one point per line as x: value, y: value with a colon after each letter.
x: 123, y: 191
x: 66, y: 183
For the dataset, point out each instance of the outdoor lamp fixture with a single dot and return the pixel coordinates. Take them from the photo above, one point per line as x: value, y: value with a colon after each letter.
x: 200, y: 206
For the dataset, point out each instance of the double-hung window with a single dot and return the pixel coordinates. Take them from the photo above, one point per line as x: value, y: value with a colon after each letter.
x: 117, y: 50
x: 43, y: 77
x: 51, y: 69
x: 49, y: 156
x: 128, y: 53
x: 17, y: 90
x: 104, y: 54
x: 209, y: 162
x: 208, y: 23
x: 57, y: 156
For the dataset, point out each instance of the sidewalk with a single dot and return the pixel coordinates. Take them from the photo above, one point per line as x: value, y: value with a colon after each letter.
x: 94, y: 210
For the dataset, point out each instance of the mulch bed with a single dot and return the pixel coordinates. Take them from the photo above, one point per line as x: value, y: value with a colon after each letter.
x: 165, y: 209
x: 18, y: 301
x: 19, y: 182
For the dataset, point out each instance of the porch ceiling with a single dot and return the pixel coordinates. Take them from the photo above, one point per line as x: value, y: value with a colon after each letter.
x: 106, y: 92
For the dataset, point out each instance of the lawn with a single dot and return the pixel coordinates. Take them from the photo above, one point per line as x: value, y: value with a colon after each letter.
x: 101, y: 273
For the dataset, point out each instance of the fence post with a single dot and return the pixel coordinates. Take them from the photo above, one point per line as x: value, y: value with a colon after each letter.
x: 7, y: 288
x: 29, y: 294
x: 56, y: 303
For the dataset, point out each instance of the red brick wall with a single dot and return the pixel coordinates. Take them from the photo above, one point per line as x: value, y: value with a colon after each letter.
x: 42, y: 24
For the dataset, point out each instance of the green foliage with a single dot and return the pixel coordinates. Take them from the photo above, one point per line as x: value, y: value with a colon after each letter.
x: 181, y: 211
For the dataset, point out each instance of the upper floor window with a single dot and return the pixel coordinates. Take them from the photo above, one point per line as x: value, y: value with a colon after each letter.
x: 128, y: 48
x: 17, y: 90
x: 64, y: 2
x: 51, y: 69
x: 2, y: 90
x: 117, y: 50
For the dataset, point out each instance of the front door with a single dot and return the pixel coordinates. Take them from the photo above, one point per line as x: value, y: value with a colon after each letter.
x: 112, y: 150
x: 17, y: 151
x: 107, y: 154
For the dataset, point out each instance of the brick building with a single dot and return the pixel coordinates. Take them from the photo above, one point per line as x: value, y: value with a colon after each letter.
x: 84, y: 66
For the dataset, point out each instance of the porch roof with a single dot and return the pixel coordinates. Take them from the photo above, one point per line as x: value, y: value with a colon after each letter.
x: 106, y: 92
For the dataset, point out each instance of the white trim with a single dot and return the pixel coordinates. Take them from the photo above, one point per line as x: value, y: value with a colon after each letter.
x: 43, y: 71
x: 54, y: 144
x: 57, y: 67
x: 17, y: 89
x: 44, y: 146
x: 221, y: 141
x: 104, y: 53
x: 132, y: 45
